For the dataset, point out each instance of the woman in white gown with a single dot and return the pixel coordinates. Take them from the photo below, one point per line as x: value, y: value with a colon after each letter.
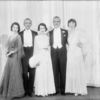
x: 41, y: 59
x: 75, y: 74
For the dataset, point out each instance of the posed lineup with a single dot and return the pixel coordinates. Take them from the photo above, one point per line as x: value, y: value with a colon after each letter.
x: 44, y: 62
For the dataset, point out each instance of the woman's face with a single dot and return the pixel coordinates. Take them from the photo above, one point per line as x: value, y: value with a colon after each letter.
x: 71, y: 25
x: 15, y: 28
x: 42, y: 29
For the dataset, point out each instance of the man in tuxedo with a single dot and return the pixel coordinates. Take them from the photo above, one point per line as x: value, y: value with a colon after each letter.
x: 58, y: 41
x: 27, y: 36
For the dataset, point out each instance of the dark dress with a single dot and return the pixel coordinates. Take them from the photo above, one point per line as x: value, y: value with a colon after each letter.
x: 12, y: 84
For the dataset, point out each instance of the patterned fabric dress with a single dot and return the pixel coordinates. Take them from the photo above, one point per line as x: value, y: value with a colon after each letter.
x: 12, y: 84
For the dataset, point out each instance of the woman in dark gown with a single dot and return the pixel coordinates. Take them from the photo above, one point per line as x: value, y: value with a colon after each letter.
x: 12, y: 84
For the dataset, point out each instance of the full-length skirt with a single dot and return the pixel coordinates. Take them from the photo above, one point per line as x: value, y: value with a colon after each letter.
x: 12, y: 84
x: 44, y: 79
x: 76, y: 81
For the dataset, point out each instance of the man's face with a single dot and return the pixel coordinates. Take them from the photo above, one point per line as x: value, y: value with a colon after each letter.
x: 56, y: 22
x: 27, y: 24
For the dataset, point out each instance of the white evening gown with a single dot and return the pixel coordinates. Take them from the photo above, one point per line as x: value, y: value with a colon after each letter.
x: 44, y: 79
x: 76, y: 81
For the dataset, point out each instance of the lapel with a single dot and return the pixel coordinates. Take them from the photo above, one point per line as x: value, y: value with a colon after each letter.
x: 32, y: 37
x: 61, y: 35
x: 22, y: 36
x: 51, y: 37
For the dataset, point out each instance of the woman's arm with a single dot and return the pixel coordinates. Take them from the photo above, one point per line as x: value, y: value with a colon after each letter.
x: 17, y: 49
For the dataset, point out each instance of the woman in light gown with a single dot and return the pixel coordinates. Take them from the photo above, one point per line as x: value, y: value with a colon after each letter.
x: 12, y: 83
x: 75, y: 75
x: 41, y: 59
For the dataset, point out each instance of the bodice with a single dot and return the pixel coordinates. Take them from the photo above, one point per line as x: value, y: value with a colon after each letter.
x: 73, y: 39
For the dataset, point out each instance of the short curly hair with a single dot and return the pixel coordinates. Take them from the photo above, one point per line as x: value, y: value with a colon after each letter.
x: 42, y: 24
x: 72, y: 20
x: 15, y: 23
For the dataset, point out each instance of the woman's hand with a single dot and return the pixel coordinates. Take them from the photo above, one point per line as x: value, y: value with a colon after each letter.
x: 10, y: 53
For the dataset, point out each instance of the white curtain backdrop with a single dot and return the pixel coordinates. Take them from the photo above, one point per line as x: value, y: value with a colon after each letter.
x: 87, y: 14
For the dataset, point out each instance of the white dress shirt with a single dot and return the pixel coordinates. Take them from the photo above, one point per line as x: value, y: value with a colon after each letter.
x: 57, y: 38
x: 27, y: 38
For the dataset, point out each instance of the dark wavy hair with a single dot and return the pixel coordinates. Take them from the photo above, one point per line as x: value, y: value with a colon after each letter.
x: 42, y: 24
x: 15, y: 23
x: 72, y: 20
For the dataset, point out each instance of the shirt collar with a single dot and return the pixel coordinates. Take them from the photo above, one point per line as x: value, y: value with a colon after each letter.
x: 57, y: 28
x: 27, y: 30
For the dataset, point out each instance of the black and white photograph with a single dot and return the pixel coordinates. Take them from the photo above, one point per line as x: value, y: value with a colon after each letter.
x: 49, y: 50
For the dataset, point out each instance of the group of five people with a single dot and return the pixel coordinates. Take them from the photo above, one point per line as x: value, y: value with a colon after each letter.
x: 44, y: 62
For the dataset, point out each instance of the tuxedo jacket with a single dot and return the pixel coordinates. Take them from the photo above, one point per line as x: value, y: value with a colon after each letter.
x: 33, y: 36
x: 64, y: 37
